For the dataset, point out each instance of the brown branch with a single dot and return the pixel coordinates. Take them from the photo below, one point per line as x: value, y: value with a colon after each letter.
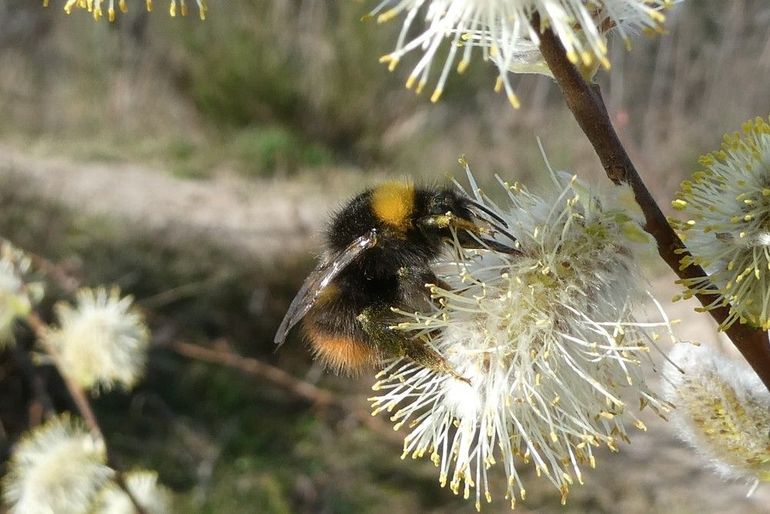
x: 59, y: 274
x: 300, y: 388
x: 304, y: 390
x: 43, y: 406
x: 309, y: 392
x: 83, y: 405
x: 76, y: 392
x: 589, y: 110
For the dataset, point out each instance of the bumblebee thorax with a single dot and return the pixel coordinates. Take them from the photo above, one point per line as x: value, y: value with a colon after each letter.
x: 393, y: 204
x: 394, y: 210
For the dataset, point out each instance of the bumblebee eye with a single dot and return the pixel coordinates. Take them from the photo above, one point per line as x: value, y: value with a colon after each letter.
x: 448, y: 202
x: 439, y: 206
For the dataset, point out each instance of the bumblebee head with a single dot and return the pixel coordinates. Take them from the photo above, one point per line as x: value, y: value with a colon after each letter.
x: 445, y: 211
x: 451, y: 205
x: 430, y: 215
x: 400, y: 207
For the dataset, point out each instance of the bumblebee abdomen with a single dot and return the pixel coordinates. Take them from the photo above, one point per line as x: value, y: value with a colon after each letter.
x: 342, y: 353
x: 333, y: 330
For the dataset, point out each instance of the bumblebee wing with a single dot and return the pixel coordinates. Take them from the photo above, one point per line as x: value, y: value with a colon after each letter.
x: 318, y: 279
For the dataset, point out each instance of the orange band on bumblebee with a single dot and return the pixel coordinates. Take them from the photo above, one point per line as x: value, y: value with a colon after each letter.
x: 341, y: 354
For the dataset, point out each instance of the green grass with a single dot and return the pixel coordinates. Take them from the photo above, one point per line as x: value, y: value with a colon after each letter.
x: 272, y: 150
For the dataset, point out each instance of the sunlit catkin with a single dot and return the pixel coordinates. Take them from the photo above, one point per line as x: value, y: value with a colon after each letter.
x: 501, y: 30
x: 101, y: 341
x: 144, y: 486
x: 109, y: 8
x: 549, y: 340
x: 725, y: 216
x: 722, y: 410
x: 18, y: 293
x: 55, y: 468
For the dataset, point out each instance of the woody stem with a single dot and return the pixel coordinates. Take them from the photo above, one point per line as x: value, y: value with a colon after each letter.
x: 586, y: 103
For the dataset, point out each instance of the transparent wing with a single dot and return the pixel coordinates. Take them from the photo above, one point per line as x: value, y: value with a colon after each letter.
x: 318, y: 279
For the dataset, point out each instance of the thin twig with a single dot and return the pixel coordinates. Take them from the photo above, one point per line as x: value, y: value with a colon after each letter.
x: 76, y: 392
x: 305, y: 390
x: 82, y: 403
x: 60, y: 276
x: 35, y: 381
x: 589, y: 110
x: 300, y: 388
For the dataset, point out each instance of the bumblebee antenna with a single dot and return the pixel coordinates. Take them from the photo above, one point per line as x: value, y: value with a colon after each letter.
x: 495, y: 218
x: 498, y: 247
x: 489, y: 212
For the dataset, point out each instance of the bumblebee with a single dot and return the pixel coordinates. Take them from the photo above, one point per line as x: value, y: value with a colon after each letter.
x: 379, y: 250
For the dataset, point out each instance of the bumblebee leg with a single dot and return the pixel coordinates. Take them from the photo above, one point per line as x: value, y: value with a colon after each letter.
x: 375, y: 321
x: 465, y: 228
x: 415, y: 291
x: 414, y: 287
x: 424, y: 277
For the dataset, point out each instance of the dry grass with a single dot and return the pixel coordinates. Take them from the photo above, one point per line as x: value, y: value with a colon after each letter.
x: 177, y: 94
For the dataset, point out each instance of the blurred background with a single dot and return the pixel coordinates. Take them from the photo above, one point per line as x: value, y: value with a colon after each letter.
x: 194, y: 163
